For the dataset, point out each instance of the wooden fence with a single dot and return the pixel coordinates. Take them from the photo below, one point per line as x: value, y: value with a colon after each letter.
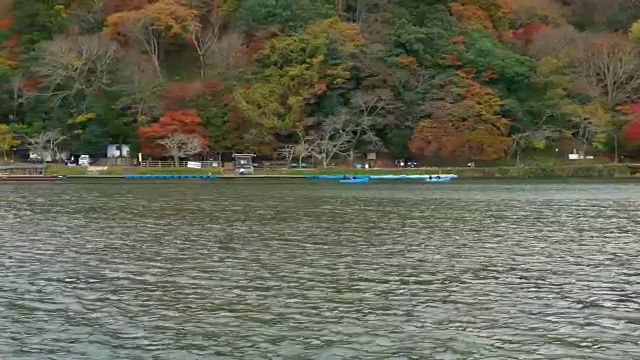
x: 171, y: 164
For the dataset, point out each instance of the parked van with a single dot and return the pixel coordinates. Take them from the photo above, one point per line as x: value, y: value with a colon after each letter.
x: 84, y: 160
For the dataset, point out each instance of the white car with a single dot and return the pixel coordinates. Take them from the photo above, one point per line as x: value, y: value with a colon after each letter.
x: 84, y: 160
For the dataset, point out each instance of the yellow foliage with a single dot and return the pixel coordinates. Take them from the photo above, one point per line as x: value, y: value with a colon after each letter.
x: 166, y: 17
x: 7, y: 141
x: 296, y: 72
x: 82, y: 118
x: 634, y: 31
x: 346, y: 35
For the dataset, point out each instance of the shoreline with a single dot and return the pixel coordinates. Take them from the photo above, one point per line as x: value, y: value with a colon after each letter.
x: 529, y: 172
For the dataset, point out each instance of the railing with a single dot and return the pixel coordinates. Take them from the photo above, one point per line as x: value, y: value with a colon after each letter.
x: 171, y: 164
x: 271, y: 165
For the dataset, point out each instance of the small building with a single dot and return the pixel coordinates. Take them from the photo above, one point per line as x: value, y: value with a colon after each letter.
x: 118, y: 150
x: 244, y: 163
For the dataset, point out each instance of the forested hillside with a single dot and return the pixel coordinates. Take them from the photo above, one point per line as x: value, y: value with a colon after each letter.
x: 450, y: 80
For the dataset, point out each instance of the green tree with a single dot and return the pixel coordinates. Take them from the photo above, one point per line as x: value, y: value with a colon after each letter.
x: 292, y: 15
x: 295, y: 71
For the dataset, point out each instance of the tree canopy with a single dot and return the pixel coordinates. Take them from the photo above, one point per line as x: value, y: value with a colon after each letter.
x: 443, y: 80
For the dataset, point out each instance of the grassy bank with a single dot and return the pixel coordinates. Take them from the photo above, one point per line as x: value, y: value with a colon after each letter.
x: 539, y: 171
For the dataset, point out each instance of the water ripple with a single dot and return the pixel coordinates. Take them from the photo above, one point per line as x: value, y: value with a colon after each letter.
x: 284, y: 270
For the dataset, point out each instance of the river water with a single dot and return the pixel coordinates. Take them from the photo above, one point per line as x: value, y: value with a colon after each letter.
x: 275, y: 269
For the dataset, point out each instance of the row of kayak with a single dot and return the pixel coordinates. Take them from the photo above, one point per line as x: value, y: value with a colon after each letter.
x: 366, y: 180
x: 440, y: 177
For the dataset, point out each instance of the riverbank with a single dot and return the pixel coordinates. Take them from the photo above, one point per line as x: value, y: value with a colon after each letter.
x: 542, y: 171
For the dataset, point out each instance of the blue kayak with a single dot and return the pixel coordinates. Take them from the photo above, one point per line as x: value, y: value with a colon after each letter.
x: 334, y: 177
x: 388, y: 177
x: 446, y: 179
x: 358, y: 180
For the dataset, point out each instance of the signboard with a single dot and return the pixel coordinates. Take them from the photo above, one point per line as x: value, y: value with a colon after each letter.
x: 194, y: 165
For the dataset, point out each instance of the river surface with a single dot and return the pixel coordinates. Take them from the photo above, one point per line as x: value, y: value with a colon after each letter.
x: 275, y: 269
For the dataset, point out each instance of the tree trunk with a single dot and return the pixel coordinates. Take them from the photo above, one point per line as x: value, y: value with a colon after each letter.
x: 518, y: 158
x: 176, y: 160
x: 201, y: 65
x: 615, y: 145
x: 156, y: 64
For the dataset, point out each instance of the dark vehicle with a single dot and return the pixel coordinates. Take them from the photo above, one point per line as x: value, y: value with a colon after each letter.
x: 412, y: 164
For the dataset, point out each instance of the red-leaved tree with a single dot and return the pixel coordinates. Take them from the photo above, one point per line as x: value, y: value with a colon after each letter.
x: 185, y: 122
x: 632, y: 131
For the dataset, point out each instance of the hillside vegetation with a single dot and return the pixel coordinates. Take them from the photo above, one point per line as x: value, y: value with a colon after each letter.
x: 454, y: 81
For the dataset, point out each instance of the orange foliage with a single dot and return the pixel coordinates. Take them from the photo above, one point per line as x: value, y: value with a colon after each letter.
x: 116, y: 6
x: 12, y: 42
x: 497, y: 11
x: 450, y: 60
x: 528, y: 32
x: 507, y: 35
x: 258, y: 42
x: 164, y: 16
x: 29, y: 85
x: 6, y: 22
x: 488, y: 75
x: 408, y: 61
x: 471, y: 16
x: 549, y: 12
x: 458, y: 40
x: 175, y: 94
x: 470, y: 128
x: 186, y: 122
x: 320, y: 87
x: 259, y: 140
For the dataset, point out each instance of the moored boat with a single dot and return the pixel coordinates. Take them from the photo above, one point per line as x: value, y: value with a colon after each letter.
x: 436, y: 180
x: 356, y: 180
x: 32, y: 177
x: 334, y: 177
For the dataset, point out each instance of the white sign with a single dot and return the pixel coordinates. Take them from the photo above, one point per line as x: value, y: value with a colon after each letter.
x: 194, y: 164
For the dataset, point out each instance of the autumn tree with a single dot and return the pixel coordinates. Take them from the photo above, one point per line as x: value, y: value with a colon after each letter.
x: 139, y: 89
x: 472, y: 16
x: 213, y: 41
x: 632, y: 132
x: 292, y: 15
x: 179, y: 145
x: 298, y: 69
x: 547, y: 12
x: 7, y: 140
x: 535, y: 137
x: 148, y: 27
x: 46, y: 144
x: 71, y: 65
x: 608, y: 67
x: 556, y: 41
x: 185, y: 122
x: 592, y: 123
x: 87, y: 16
x: 336, y: 134
x: 470, y: 128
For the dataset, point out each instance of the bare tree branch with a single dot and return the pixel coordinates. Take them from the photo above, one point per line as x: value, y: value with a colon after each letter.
x: 608, y: 66
x: 205, y: 37
x: 77, y: 64
x: 46, y: 144
x: 180, y: 145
